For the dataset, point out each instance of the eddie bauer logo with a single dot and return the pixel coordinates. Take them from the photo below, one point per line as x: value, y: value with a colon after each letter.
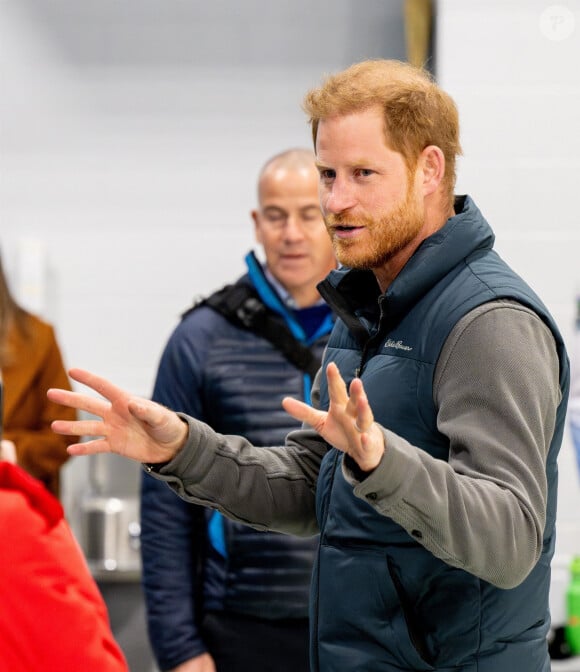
x: 398, y: 345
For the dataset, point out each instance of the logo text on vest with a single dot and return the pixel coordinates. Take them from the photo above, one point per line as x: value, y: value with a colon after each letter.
x: 398, y: 345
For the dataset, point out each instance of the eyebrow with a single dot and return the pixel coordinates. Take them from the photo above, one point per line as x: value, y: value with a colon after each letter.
x: 304, y: 208
x: 360, y: 163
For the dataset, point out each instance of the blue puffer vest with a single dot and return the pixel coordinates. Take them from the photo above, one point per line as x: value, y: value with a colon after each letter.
x: 381, y: 601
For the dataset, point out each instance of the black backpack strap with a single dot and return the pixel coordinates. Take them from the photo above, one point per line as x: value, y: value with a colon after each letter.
x: 242, y: 306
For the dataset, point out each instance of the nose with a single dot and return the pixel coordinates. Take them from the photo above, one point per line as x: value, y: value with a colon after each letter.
x: 293, y: 229
x: 337, y: 197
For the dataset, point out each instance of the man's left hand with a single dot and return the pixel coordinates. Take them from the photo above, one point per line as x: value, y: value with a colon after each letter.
x: 349, y: 422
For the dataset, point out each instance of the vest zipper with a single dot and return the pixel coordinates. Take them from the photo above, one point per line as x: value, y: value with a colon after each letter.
x: 316, y: 639
x: 377, y: 335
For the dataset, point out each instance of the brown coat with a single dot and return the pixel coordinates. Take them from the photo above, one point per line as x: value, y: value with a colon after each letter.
x: 35, y: 364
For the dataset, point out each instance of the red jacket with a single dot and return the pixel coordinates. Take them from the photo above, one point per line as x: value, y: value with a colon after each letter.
x: 52, y: 615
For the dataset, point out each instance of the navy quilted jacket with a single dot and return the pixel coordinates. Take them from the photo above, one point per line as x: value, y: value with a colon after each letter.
x: 234, y: 381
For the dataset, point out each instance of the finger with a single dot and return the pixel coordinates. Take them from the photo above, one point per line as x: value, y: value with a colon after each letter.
x: 363, y: 412
x: 337, y: 392
x: 164, y: 425
x: 149, y: 412
x: 78, y: 427
x: 89, y: 447
x: 100, y: 385
x: 302, y: 412
x: 81, y: 402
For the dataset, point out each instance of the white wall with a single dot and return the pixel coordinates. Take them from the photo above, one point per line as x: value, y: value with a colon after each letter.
x: 131, y: 133
x: 131, y: 137
x: 512, y: 68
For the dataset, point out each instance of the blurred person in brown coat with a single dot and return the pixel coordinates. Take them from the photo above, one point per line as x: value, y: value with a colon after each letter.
x: 30, y: 363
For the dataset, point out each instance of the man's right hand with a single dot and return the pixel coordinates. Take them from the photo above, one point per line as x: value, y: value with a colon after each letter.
x: 130, y: 426
x: 203, y: 663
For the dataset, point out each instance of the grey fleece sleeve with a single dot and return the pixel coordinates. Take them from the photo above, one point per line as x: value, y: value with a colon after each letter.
x: 267, y: 488
x: 496, y: 389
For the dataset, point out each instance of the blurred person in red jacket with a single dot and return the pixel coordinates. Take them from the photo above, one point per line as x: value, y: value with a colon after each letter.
x: 52, y: 615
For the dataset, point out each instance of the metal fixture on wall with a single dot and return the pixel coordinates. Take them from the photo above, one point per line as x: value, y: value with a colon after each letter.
x: 109, y: 527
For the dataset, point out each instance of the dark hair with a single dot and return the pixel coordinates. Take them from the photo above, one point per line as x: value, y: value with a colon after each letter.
x: 11, y: 314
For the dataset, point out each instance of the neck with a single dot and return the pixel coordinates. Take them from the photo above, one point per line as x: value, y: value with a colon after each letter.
x: 305, y: 297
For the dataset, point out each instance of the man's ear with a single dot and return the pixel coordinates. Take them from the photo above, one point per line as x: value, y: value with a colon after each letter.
x: 432, y: 164
x: 257, y: 230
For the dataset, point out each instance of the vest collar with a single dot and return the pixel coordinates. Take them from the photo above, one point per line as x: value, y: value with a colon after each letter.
x: 355, y: 295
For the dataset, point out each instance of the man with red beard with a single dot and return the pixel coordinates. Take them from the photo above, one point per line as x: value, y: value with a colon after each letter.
x: 428, y: 461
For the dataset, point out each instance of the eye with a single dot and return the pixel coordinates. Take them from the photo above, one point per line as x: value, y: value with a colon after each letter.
x: 311, y: 214
x: 272, y: 215
x: 327, y: 174
x: 364, y: 172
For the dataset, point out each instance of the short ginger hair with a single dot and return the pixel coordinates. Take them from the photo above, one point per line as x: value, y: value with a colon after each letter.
x: 417, y: 112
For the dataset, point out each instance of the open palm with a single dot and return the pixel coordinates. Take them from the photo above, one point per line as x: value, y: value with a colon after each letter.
x: 349, y: 422
x: 130, y: 426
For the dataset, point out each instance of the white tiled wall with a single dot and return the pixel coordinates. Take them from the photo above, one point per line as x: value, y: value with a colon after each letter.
x: 131, y: 137
x: 131, y: 134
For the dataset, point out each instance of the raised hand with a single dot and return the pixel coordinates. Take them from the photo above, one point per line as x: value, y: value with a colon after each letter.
x: 130, y: 426
x: 348, y: 424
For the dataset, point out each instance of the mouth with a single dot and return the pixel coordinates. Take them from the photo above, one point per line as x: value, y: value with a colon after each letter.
x: 293, y: 257
x: 346, y: 231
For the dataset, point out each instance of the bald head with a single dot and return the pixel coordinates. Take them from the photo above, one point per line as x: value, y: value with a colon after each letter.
x: 297, y: 160
x: 290, y: 227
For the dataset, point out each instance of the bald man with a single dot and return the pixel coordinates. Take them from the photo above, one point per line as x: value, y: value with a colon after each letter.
x: 221, y: 596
